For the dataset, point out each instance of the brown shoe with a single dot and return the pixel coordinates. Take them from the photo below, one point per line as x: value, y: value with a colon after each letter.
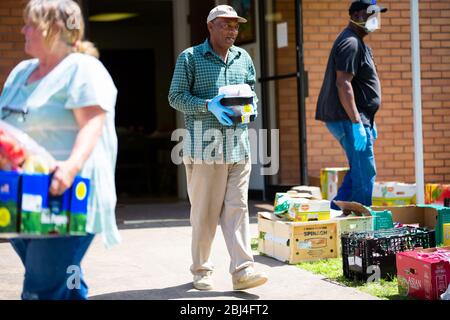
x: 250, y: 280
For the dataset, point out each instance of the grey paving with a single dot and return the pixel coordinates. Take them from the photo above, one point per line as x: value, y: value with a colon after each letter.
x: 153, y: 259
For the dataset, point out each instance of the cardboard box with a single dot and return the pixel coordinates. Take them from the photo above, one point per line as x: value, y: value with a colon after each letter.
x: 308, y: 192
x: 303, y: 210
x: 330, y: 181
x: 446, y: 234
x: 355, y: 218
x: 430, y: 216
x: 352, y: 224
x: 284, y: 199
x: 423, y: 274
x: 9, y: 202
x: 393, y: 194
x: 436, y: 193
x: 294, y: 242
x: 380, y: 219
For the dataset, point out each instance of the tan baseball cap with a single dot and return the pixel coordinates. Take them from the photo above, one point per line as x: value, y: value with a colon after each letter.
x: 224, y: 11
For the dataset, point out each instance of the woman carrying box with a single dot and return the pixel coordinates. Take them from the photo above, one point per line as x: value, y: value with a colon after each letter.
x: 64, y: 98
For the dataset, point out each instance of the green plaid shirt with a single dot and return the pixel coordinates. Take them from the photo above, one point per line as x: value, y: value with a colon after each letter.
x: 198, y: 75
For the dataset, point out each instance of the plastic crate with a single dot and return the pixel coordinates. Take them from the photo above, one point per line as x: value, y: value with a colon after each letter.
x: 362, y: 251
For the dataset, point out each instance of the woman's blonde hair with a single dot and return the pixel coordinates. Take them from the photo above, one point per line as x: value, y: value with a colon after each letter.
x: 66, y: 16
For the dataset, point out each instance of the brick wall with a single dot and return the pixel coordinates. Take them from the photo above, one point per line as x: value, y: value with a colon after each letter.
x: 394, y: 149
x: 323, y: 20
x: 11, y: 40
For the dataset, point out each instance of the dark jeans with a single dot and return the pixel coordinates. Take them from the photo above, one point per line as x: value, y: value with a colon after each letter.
x: 52, y: 267
x: 359, y: 180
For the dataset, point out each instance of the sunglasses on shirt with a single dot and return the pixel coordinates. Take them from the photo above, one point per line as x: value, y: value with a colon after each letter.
x: 8, y: 111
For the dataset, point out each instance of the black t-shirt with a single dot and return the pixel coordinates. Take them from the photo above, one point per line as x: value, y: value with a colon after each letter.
x: 352, y: 55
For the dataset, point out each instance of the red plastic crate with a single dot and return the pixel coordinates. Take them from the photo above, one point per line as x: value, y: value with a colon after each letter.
x: 424, y: 274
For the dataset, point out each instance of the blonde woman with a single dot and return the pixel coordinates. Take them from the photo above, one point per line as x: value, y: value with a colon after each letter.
x: 64, y: 98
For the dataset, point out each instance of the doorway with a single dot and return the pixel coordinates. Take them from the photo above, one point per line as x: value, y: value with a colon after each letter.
x: 137, y: 50
x: 284, y: 89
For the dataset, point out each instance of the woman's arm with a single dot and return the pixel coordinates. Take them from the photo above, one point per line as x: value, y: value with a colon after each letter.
x: 90, y: 121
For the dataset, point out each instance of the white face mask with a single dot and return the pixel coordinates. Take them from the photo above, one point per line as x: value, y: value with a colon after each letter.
x: 372, y: 24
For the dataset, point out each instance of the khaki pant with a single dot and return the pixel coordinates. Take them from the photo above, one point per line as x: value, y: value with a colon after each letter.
x: 219, y: 194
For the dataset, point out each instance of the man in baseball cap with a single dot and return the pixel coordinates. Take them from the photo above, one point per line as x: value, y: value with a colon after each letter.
x: 349, y: 99
x: 218, y: 174
x: 224, y: 11
x: 358, y: 5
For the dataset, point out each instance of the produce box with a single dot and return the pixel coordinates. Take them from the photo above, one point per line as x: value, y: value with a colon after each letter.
x: 284, y: 199
x: 446, y: 234
x: 393, y: 194
x: 330, y: 181
x: 370, y: 256
x: 78, y: 205
x: 9, y: 202
x: 355, y: 218
x: 436, y: 193
x: 429, y: 216
x: 352, y: 224
x: 309, y: 192
x: 35, y: 213
x: 39, y: 214
x: 423, y: 274
x: 294, y: 242
x: 381, y: 219
x: 308, y: 210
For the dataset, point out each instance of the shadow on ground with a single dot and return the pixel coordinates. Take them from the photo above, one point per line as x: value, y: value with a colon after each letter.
x: 184, y: 291
x: 167, y: 214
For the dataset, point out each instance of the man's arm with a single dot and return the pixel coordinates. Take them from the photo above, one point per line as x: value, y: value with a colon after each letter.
x: 346, y: 95
x: 347, y: 98
x: 180, y: 97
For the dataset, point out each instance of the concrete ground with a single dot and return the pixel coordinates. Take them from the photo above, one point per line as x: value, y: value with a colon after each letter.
x: 153, y: 260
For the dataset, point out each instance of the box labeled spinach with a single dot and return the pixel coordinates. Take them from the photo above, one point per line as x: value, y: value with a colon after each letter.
x: 9, y: 201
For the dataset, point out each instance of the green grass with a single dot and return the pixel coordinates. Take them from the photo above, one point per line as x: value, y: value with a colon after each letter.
x: 331, y: 269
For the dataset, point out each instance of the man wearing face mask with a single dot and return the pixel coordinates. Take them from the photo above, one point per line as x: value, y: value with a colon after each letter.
x: 349, y: 98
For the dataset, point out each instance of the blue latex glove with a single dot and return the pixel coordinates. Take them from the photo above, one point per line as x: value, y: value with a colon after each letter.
x: 220, y: 112
x: 359, y: 134
x: 374, y: 131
